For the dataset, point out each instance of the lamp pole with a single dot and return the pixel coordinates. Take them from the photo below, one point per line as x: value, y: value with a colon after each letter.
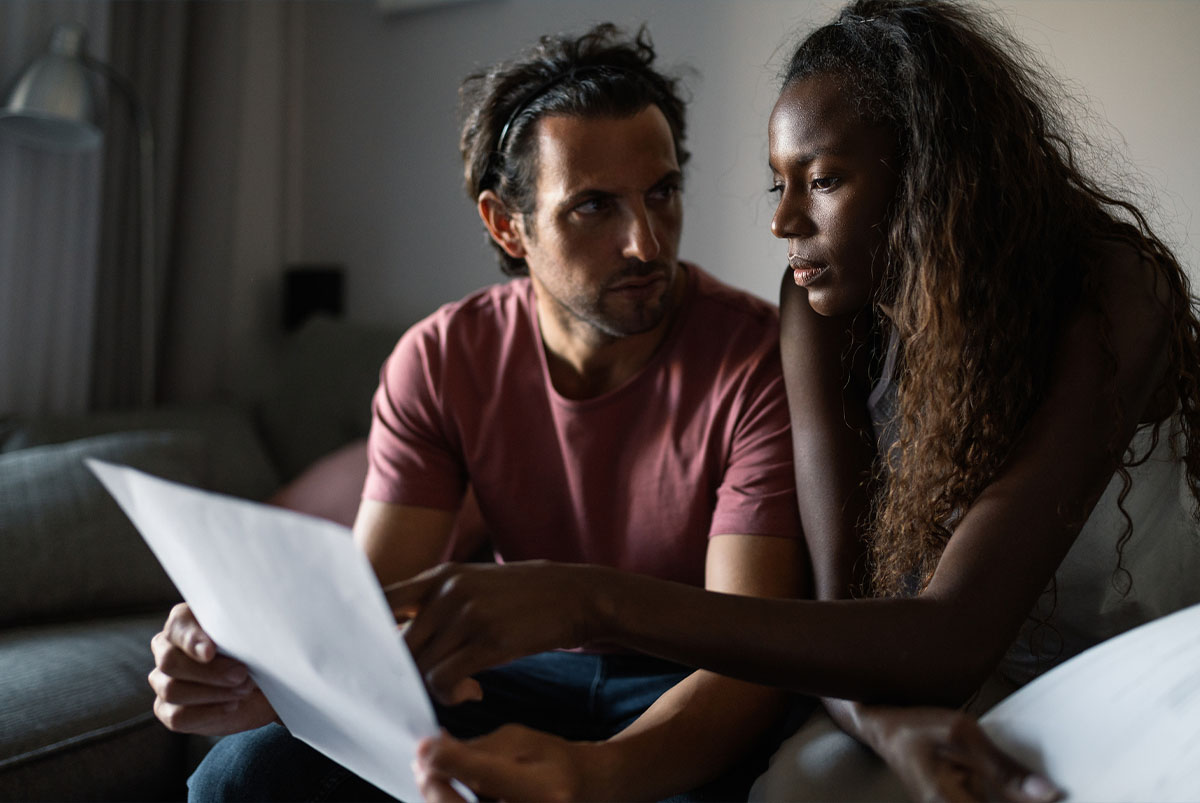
x: 51, y: 106
x: 146, y: 250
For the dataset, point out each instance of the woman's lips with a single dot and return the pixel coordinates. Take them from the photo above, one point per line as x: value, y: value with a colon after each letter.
x: 805, y: 272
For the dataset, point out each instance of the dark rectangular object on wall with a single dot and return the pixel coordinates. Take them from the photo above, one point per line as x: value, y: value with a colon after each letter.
x: 310, y: 289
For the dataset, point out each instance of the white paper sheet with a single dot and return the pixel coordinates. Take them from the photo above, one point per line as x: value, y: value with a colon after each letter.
x: 1116, y: 723
x: 293, y: 598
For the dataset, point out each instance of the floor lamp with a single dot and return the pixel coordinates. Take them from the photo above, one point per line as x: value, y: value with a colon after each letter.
x: 52, y: 105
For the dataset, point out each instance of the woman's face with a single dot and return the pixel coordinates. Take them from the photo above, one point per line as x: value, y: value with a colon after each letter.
x: 834, y: 175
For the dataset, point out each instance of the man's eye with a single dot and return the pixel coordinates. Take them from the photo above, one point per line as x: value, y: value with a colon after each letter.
x: 591, y: 206
x: 825, y: 182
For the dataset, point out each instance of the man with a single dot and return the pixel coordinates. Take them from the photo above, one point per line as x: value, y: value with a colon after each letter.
x: 611, y: 406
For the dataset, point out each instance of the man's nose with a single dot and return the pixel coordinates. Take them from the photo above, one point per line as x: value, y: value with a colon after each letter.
x: 642, y: 242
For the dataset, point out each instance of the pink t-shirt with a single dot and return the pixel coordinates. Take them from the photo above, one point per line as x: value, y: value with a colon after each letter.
x: 696, y: 444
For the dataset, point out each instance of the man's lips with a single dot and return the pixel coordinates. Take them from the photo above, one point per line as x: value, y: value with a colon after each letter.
x: 638, y: 282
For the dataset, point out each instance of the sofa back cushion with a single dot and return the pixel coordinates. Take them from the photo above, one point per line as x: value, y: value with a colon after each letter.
x: 237, y: 462
x: 68, y: 550
x: 321, y: 396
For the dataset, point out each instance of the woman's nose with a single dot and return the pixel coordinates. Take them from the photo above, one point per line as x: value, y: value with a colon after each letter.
x: 792, y: 218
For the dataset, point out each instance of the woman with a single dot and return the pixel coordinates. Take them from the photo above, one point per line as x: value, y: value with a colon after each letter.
x: 976, y: 336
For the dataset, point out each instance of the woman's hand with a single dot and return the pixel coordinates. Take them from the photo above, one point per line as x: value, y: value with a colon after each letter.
x: 511, y: 763
x: 472, y: 617
x: 943, y: 754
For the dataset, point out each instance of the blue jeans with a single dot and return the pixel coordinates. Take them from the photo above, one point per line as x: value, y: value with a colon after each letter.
x: 576, y: 696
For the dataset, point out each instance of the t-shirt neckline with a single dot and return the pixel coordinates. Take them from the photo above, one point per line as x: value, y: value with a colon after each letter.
x: 664, y: 347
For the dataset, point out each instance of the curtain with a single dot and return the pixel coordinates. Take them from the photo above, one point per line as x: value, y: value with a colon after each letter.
x: 49, y: 235
x: 70, y: 291
x: 148, y: 44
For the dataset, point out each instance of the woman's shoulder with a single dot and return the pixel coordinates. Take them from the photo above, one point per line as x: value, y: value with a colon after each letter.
x: 1134, y: 300
x: 1130, y: 284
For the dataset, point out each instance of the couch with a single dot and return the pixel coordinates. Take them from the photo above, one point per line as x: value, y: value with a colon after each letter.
x: 80, y: 593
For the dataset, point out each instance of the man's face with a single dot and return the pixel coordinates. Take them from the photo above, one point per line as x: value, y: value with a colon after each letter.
x: 604, y: 236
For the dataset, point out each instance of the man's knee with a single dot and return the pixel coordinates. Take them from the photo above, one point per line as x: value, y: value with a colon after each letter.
x: 249, y: 766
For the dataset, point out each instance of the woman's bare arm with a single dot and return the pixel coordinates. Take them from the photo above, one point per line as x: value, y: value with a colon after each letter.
x: 939, y: 646
x: 935, y: 648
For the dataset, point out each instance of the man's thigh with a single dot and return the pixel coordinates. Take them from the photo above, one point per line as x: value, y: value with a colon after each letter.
x: 574, y: 695
x: 269, y: 764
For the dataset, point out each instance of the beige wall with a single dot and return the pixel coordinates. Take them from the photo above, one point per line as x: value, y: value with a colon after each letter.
x: 344, y: 142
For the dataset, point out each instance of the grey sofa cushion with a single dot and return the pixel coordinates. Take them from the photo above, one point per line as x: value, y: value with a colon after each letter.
x: 77, y: 714
x: 68, y: 549
x: 237, y: 465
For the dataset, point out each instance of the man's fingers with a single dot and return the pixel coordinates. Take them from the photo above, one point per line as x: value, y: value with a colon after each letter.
x: 435, y: 788
x: 185, y: 632
x: 438, y: 790
x: 486, y: 773
x: 216, y: 719
x: 183, y: 692
x: 177, y: 663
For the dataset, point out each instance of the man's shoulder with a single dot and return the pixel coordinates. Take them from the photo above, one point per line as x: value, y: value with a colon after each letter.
x: 490, y: 309
x: 719, y: 303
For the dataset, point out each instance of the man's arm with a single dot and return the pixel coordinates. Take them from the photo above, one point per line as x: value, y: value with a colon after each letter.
x: 402, y: 540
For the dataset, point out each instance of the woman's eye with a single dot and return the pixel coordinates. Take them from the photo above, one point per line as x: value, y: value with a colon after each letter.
x: 824, y: 182
x: 775, y: 189
x: 665, y: 192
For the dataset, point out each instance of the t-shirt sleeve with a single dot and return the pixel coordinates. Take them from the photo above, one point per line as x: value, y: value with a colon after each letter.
x: 412, y: 459
x: 757, y: 495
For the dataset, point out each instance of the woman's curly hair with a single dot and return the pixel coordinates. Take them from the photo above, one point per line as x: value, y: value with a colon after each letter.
x: 988, y: 242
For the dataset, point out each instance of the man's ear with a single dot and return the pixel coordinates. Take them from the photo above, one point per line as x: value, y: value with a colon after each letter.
x: 504, y: 227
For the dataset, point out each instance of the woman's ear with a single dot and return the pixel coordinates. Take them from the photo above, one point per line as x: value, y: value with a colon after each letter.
x: 504, y: 227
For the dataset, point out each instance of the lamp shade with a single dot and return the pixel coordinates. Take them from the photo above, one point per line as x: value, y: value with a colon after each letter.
x: 51, y: 104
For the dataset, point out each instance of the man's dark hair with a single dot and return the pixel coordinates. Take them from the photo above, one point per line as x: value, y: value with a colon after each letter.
x: 603, y: 73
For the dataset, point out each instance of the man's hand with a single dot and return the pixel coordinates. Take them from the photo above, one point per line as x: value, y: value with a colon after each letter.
x: 943, y: 754
x: 470, y: 618
x: 512, y: 763
x: 198, y: 691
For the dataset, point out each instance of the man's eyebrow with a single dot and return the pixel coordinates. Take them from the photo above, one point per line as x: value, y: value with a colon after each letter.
x: 586, y: 194
x: 593, y: 193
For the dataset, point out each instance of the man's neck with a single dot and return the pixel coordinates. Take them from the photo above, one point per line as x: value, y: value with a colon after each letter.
x: 585, y: 362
